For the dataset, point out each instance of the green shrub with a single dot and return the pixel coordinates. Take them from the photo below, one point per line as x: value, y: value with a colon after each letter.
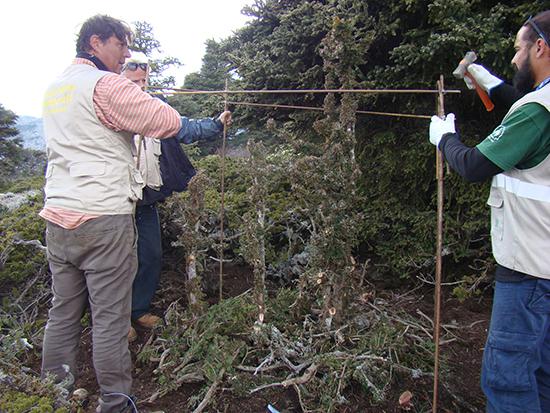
x: 25, y: 184
x: 20, y: 261
x: 18, y: 402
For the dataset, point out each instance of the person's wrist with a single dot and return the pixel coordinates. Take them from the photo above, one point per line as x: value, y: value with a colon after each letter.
x: 493, y: 83
x: 444, y: 138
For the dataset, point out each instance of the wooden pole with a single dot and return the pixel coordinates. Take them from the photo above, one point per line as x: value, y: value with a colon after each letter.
x: 222, y: 184
x: 439, y: 246
x: 365, y: 112
x: 296, y: 91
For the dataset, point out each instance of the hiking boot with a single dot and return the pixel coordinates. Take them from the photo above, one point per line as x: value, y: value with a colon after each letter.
x: 148, y: 320
x: 128, y: 407
x: 132, y: 335
x: 66, y: 385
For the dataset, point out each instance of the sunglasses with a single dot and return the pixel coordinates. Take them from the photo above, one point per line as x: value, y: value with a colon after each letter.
x: 537, y: 29
x: 133, y: 66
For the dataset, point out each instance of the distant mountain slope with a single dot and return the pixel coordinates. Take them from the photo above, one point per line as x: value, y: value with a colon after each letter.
x: 31, y: 132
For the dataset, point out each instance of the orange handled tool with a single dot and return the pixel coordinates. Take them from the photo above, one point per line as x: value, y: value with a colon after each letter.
x: 461, y: 71
x: 489, y: 105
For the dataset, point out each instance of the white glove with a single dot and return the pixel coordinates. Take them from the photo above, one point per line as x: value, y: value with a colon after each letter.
x: 439, y: 127
x: 483, y: 77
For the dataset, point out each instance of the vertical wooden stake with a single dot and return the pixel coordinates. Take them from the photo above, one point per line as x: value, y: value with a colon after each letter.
x: 439, y: 245
x: 222, y: 180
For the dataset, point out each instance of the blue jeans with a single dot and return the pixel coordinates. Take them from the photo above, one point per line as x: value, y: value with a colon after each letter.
x: 149, y: 259
x: 515, y: 375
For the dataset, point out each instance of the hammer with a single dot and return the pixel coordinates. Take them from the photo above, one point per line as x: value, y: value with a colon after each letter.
x: 461, y: 71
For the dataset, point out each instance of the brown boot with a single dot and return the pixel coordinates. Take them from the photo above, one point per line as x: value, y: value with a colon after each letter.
x: 132, y: 335
x: 148, y: 320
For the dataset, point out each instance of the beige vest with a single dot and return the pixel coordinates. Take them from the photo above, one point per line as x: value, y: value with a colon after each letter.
x: 90, y: 167
x: 520, y: 210
x: 149, y: 163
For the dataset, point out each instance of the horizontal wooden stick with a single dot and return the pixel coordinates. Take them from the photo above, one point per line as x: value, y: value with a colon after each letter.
x: 177, y: 91
x: 366, y: 112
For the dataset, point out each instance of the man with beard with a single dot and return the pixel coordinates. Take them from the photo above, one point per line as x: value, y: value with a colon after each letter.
x: 516, y: 362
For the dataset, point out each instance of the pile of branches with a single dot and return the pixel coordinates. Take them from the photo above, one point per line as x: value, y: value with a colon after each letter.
x: 376, y: 347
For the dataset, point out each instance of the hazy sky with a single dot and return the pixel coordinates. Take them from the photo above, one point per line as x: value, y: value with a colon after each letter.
x: 39, y: 38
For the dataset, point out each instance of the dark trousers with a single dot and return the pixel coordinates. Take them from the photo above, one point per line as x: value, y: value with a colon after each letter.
x: 149, y: 259
x: 515, y: 375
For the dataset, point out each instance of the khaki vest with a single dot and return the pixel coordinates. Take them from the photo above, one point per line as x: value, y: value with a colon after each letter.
x: 520, y: 210
x: 90, y: 167
x: 149, y: 163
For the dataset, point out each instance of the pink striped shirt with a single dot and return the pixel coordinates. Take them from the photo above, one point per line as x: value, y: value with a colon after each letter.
x: 121, y: 105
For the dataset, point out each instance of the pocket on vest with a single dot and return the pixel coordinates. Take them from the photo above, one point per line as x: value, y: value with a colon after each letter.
x: 157, y: 149
x: 496, y: 203
x: 136, y: 184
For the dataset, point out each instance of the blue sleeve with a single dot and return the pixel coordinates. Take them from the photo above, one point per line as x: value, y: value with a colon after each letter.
x: 193, y: 130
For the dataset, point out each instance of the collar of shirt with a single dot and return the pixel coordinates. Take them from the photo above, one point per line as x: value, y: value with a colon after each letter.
x: 543, y: 83
x: 82, y: 61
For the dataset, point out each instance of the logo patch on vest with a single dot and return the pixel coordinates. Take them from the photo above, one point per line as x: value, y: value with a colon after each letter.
x: 497, y: 133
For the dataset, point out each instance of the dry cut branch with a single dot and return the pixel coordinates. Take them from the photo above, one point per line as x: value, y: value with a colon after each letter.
x: 309, y: 373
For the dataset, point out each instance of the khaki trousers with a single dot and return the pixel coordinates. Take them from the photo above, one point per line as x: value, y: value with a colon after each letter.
x: 94, y: 263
